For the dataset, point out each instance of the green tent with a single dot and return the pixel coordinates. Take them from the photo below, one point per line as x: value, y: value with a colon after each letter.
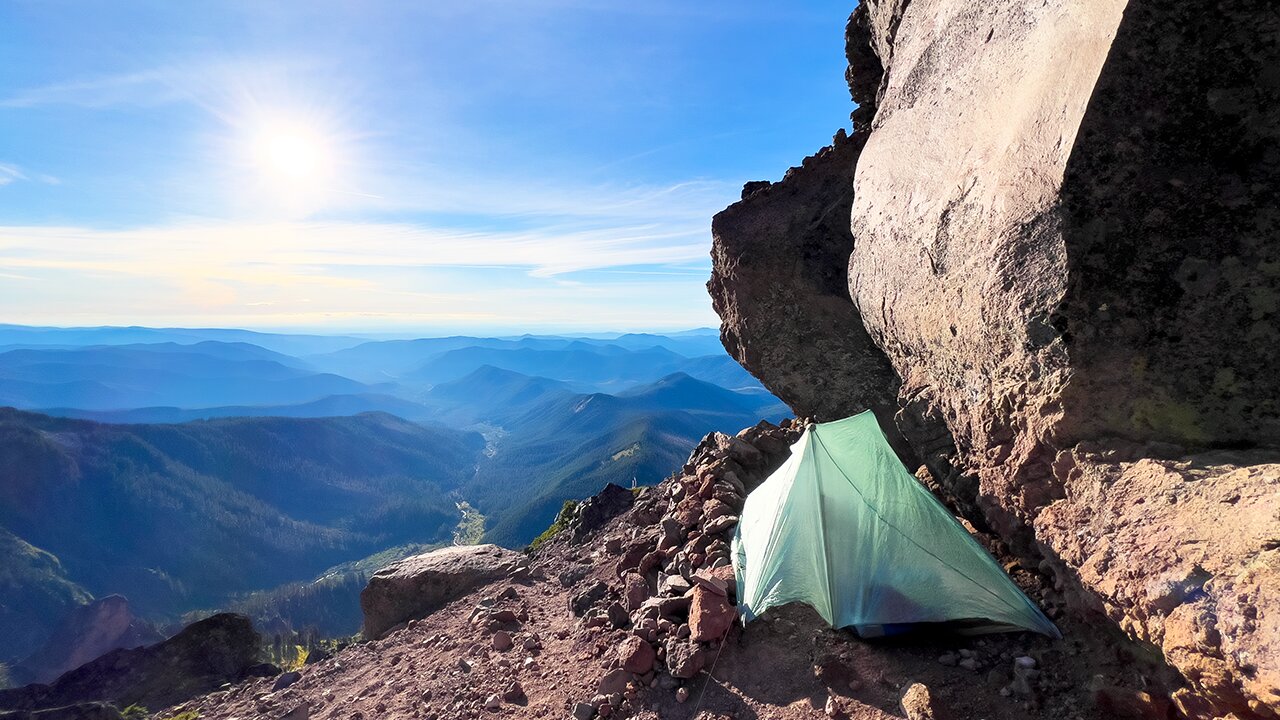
x: 843, y: 527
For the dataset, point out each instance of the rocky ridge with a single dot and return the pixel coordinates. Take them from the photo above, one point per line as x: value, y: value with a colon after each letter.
x: 204, y: 656
x: 88, y: 632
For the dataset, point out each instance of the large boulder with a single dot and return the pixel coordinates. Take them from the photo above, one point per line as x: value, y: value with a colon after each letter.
x: 1065, y: 218
x: 203, y: 657
x: 1063, y: 239
x: 87, y: 632
x: 418, y: 586
x: 1099, y: 263
x: 778, y: 282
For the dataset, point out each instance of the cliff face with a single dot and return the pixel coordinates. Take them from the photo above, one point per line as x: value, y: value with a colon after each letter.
x: 1063, y: 244
x: 779, y: 284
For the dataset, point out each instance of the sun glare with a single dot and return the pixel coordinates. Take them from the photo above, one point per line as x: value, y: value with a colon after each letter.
x: 295, y: 157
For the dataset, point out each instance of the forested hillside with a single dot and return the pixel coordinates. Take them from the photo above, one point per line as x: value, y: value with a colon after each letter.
x: 200, y: 471
x: 184, y: 516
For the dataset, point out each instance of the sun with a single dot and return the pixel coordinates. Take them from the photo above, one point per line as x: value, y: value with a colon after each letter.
x: 288, y: 162
x: 293, y: 156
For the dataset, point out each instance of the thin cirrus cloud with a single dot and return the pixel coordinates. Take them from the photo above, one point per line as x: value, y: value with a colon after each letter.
x: 351, y: 275
x: 153, y: 86
x: 228, y: 248
x: 10, y: 173
x: 208, y: 83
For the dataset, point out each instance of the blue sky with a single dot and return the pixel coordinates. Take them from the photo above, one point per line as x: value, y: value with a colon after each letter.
x: 393, y: 166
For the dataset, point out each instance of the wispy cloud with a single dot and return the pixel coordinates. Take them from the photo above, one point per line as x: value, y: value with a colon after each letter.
x: 144, y: 87
x: 207, y: 82
x: 10, y: 173
x: 380, y: 273
x: 237, y: 250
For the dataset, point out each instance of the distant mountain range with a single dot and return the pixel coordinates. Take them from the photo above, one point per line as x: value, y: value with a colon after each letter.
x: 190, y: 469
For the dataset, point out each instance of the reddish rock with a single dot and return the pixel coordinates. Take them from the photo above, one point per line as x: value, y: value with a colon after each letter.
x: 614, y: 681
x: 716, y: 509
x: 684, y: 659
x: 721, y: 524
x: 707, y: 580
x: 632, y: 556
x: 502, y: 640
x: 649, y: 562
x: 514, y: 693
x: 710, y: 615
x: 634, y: 591
x: 636, y: 655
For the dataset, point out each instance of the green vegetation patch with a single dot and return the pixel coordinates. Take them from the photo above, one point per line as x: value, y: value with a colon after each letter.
x: 470, y: 530
x: 561, y: 522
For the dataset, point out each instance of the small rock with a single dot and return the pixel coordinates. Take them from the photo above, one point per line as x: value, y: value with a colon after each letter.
x: 514, y: 693
x: 618, y: 615
x: 949, y: 659
x: 720, y: 524
x: 710, y: 615
x: 636, y: 655
x: 634, y: 590
x: 502, y: 640
x: 712, y: 583
x: 463, y: 665
x: 583, y: 601
x: 684, y: 659
x: 1024, y: 661
x: 832, y: 708
x: 614, y: 681
x: 583, y: 711
x: 284, y: 680
x: 682, y: 695
x: 969, y: 664
x: 672, y: 585
x: 493, y: 702
x: 917, y: 704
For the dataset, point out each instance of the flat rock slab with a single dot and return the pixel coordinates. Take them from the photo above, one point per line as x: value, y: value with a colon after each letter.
x: 418, y: 586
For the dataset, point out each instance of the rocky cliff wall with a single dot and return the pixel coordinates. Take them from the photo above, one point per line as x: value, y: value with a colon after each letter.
x: 1064, y: 244
x: 779, y: 284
